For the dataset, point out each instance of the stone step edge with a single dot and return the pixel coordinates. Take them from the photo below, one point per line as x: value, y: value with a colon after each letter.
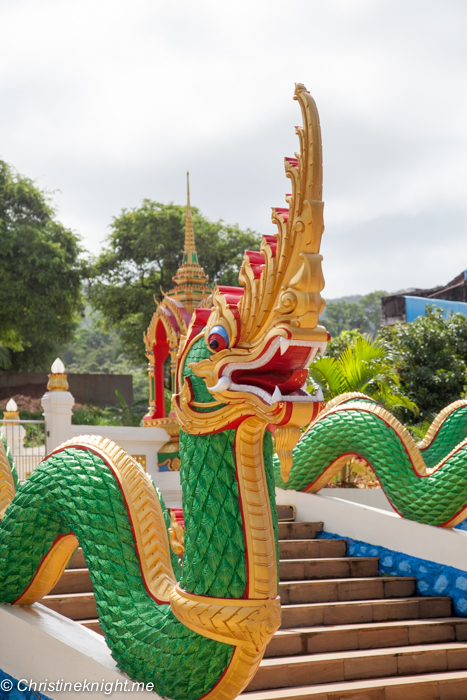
x: 322, y: 629
x: 66, y: 596
x: 89, y: 621
x: 320, y: 559
x: 314, y: 540
x: 323, y: 690
x: 310, y: 539
x: 69, y: 572
x: 349, y: 579
x: 318, y: 523
x: 319, y: 657
x: 365, y: 601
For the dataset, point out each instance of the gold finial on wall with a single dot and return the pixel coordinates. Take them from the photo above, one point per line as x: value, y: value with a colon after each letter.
x: 58, y: 378
x: 11, y: 411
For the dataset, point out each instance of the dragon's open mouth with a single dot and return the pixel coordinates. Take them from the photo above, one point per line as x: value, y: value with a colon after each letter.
x: 279, y: 374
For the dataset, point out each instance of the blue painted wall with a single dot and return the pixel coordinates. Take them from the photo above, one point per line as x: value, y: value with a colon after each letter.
x: 432, y: 579
x: 416, y: 306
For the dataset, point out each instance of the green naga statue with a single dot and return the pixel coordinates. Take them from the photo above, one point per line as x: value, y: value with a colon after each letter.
x: 197, y: 626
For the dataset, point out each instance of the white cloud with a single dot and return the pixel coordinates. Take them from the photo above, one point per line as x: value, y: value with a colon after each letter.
x: 111, y: 102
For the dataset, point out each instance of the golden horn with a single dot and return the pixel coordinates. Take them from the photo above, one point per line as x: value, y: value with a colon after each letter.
x: 286, y: 439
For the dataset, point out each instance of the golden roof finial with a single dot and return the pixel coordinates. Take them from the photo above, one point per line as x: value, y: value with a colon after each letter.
x: 190, y: 270
x: 189, y: 231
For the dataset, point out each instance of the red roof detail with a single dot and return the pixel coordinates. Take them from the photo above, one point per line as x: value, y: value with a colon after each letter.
x: 232, y: 294
x: 256, y: 258
x: 272, y: 243
x: 256, y: 262
x: 293, y: 161
x: 283, y: 211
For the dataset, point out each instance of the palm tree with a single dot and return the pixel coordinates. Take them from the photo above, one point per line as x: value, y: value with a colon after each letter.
x: 363, y: 366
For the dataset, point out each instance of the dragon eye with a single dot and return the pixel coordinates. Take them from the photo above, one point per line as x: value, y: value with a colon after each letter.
x: 218, y: 338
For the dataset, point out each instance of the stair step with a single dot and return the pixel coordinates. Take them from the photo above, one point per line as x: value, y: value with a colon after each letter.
x: 73, y: 581
x: 77, y: 561
x: 375, y: 635
x: 357, y: 611
x: 93, y: 625
x: 433, y: 686
x: 328, y: 568
x: 346, y: 589
x: 299, y: 531
x: 359, y: 665
x: 76, y: 606
x: 285, y: 513
x: 309, y: 549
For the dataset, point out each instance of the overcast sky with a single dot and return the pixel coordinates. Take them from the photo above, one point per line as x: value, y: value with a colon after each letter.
x: 111, y: 101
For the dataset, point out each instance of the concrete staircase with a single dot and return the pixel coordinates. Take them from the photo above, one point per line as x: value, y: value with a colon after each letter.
x: 347, y: 632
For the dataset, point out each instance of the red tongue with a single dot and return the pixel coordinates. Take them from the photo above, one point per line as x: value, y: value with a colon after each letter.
x: 296, y: 381
x: 269, y: 380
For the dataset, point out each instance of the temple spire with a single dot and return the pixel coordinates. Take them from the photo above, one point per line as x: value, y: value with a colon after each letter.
x: 190, y: 279
x: 189, y: 231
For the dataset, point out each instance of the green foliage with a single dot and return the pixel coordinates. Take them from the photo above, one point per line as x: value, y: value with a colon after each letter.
x: 341, y: 342
x: 361, y: 365
x: 167, y: 401
x: 40, y: 283
x: 94, y: 415
x: 144, y: 252
x: 95, y: 350
x: 4, y: 357
x: 431, y: 358
x: 363, y: 315
x: 129, y: 414
x: 125, y: 414
x: 418, y: 431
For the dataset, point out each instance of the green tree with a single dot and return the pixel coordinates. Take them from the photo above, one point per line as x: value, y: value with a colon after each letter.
x: 362, y: 365
x: 40, y: 283
x: 363, y: 315
x: 96, y: 350
x: 431, y: 358
x: 341, y: 342
x: 143, y: 253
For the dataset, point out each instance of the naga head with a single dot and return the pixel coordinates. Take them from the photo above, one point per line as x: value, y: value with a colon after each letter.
x: 248, y: 354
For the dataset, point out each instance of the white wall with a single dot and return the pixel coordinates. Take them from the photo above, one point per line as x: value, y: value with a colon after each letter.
x: 134, y: 440
x: 39, y: 644
x: 379, y: 527
x: 170, y: 487
x: 375, y: 498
